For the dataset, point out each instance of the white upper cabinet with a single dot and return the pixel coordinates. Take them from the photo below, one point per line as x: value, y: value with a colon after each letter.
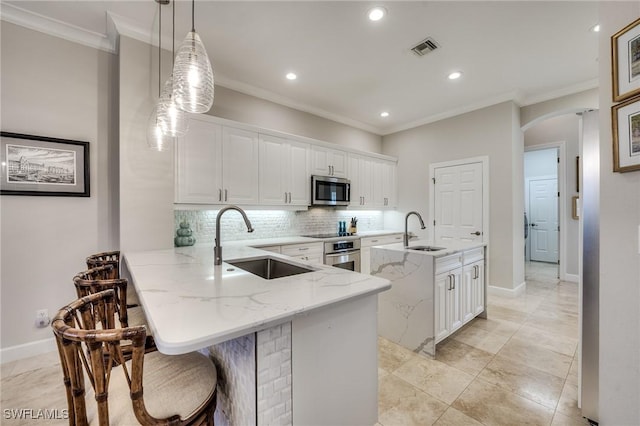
x: 361, y: 177
x: 373, y: 182
x: 328, y: 162
x: 284, y: 172
x: 389, y: 184
x: 216, y: 164
x: 240, y: 166
x: 198, y: 161
x: 222, y: 162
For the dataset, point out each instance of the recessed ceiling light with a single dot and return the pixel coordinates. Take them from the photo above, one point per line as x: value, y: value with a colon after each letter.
x: 596, y: 28
x: 377, y: 13
x: 455, y: 75
x: 291, y: 76
x: 384, y: 114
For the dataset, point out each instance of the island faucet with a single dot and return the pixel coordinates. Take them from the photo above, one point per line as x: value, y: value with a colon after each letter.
x: 217, y: 250
x: 406, y: 225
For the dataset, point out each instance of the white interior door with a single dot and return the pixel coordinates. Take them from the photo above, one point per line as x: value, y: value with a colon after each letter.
x: 543, y: 208
x: 458, y: 202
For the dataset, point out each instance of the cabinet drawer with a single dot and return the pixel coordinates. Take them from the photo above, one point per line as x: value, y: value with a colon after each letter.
x: 473, y: 255
x: 302, y: 249
x: 274, y: 249
x: 447, y: 263
x: 378, y: 241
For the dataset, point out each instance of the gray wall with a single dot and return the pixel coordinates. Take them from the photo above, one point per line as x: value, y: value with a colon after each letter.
x: 492, y: 131
x: 619, y: 261
x: 555, y: 129
x: 52, y: 87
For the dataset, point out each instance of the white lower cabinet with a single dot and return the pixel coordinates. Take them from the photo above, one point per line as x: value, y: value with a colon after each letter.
x: 312, y: 252
x: 448, y: 295
x: 365, y: 249
x: 459, y: 290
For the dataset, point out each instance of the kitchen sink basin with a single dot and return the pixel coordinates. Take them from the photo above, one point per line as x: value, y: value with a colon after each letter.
x: 270, y: 268
x: 426, y: 248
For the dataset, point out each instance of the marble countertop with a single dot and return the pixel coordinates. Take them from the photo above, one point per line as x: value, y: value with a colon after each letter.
x: 191, y: 304
x: 450, y: 247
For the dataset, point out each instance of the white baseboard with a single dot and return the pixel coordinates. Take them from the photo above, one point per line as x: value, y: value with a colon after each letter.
x: 507, y: 292
x: 27, y: 350
x: 572, y: 278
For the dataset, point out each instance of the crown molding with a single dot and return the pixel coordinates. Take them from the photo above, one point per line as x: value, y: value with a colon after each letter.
x: 570, y: 90
x: 16, y: 15
x: 506, y: 97
x: 282, y: 100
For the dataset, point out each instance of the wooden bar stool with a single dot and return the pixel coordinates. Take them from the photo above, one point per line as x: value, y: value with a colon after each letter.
x: 149, y: 389
x: 97, y: 279
x: 112, y: 258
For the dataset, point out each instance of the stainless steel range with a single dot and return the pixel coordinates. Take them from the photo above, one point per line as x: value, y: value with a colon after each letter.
x: 343, y: 251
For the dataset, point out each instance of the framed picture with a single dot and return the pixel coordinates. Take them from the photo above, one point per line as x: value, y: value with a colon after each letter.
x: 626, y: 135
x: 625, y: 49
x: 38, y: 165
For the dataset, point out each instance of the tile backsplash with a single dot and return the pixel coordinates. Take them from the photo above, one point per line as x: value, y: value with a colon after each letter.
x: 274, y: 223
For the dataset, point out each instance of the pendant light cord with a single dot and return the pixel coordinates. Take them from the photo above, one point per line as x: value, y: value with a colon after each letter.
x: 193, y: 14
x: 173, y: 34
x: 159, y: 46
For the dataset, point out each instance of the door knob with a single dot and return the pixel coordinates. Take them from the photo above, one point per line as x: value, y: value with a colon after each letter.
x: 476, y: 233
x: 533, y: 224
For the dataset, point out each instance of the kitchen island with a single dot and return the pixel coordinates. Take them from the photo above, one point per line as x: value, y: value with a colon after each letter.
x: 307, y: 341
x: 434, y: 292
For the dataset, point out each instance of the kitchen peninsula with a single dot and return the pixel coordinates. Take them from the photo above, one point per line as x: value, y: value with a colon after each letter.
x: 307, y: 341
x: 436, y: 289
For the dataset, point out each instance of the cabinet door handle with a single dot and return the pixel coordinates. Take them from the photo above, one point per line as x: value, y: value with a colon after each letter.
x: 285, y: 198
x: 478, y: 233
x: 374, y: 241
x: 225, y: 195
x: 448, y: 282
x: 453, y: 278
x: 303, y: 248
x: 289, y: 198
x: 220, y: 194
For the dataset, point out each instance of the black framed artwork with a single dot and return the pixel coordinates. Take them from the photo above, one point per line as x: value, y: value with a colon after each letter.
x: 40, y: 165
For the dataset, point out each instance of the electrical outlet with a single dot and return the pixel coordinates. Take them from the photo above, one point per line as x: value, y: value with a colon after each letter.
x: 42, y: 318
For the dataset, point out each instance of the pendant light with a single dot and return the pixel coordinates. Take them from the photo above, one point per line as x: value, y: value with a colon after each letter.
x: 156, y: 138
x: 192, y: 73
x: 174, y: 120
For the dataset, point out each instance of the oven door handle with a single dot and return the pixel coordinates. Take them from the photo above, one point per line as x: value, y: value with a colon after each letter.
x: 343, y: 253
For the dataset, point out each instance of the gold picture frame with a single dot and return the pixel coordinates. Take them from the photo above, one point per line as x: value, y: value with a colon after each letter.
x: 625, y: 123
x: 625, y: 57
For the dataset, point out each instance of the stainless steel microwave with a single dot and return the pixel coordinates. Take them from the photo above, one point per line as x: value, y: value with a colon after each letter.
x: 330, y: 191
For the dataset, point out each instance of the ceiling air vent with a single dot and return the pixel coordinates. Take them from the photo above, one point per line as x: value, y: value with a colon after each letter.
x: 425, y: 46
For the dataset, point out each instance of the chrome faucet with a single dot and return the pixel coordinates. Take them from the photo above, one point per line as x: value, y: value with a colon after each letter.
x: 217, y: 250
x: 406, y: 225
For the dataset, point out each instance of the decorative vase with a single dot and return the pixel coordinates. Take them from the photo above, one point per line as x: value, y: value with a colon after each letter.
x: 184, y: 235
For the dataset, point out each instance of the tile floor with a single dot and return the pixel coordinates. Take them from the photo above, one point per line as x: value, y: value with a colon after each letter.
x: 518, y: 367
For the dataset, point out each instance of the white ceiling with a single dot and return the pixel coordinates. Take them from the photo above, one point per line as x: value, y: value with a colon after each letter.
x: 350, y: 69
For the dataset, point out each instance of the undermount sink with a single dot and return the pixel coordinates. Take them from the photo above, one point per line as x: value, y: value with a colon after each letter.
x: 270, y: 268
x: 426, y: 248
